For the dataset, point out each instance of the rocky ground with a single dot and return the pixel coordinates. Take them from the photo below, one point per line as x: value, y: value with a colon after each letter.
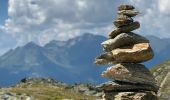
x: 49, y: 89
x: 162, y: 75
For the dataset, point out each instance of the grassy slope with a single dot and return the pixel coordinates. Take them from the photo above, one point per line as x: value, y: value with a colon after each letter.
x: 46, y: 92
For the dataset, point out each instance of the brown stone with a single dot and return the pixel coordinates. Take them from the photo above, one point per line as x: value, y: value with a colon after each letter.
x: 130, y: 13
x: 123, y: 39
x: 131, y: 54
x: 125, y: 7
x: 120, y: 23
x: 131, y: 73
x: 124, y: 29
x: 137, y: 53
x: 123, y: 20
x: 145, y: 95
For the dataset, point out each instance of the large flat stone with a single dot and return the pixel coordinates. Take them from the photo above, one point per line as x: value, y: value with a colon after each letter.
x: 131, y: 73
x: 126, y: 87
x: 131, y: 54
x: 123, y: 39
x: 124, y: 29
x: 136, y: 54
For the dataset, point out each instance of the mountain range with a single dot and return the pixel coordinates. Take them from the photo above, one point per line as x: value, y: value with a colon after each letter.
x: 68, y: 61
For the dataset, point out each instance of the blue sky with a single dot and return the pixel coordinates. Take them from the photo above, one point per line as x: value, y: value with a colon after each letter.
x: 41, y: 21
x: 3, y: 11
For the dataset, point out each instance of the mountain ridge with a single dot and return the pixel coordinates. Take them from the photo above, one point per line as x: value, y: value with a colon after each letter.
x: 72, y: 59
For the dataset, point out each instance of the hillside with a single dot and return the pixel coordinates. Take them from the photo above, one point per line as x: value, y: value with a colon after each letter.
x: 162, y: 75
x: 48, y: 89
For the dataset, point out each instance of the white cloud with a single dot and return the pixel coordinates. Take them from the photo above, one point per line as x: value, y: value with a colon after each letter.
x: 57, y: 19
x: 45, y: 20
x: 155, y: 17
x: 164, y: 6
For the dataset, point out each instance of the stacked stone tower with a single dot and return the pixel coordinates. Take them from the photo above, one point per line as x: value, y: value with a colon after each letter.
x: 126, y: 50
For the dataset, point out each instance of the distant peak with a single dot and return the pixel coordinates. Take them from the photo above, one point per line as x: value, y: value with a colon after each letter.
x: 31, y: 44
x: 87, y: 34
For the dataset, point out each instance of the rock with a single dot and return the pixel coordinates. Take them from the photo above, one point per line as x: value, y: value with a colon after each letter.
x: 131, y: 81
x: 126, y: 87
x: 123, y: 20
x: 131, y: 73
x: 37, y: 80
x: 131, y: 54
x: 126, y: 7
x: 130, y: 13
x: 147, y: 95
x: 14, y: 96
x: 124, y: 29
x: 120, y: 23
x: 123, y: 39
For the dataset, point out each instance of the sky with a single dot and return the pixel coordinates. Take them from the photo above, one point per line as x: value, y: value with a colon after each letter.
x: 41, y: 21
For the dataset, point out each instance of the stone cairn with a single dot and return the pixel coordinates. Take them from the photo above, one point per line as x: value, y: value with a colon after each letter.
x: 126, y: 50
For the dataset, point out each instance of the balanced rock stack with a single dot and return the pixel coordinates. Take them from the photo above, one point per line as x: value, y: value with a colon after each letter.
x: 125, y: 49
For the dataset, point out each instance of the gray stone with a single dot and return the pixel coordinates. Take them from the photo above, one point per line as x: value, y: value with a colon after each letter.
x: 130, y: 13
x: 131, y: 73
x: 125, y: 7
x: 124, y: 29
x: 123, y: 39
x: 126, y: 87
x: 104, y: 59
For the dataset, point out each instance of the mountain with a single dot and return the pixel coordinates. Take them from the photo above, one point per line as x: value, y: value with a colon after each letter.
x: 69, y: 61
x: 161, y: 49
x: 162, y: 75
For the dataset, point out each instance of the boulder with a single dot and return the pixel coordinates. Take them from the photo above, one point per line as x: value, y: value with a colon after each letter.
x: 123, y: 39
x: 130, y: 13
x: 125, y: 7
x: 147, y: 95
x: 111, y: 86
x: 131, y: 54
x: 124, y: 29
x: 131, y: 73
